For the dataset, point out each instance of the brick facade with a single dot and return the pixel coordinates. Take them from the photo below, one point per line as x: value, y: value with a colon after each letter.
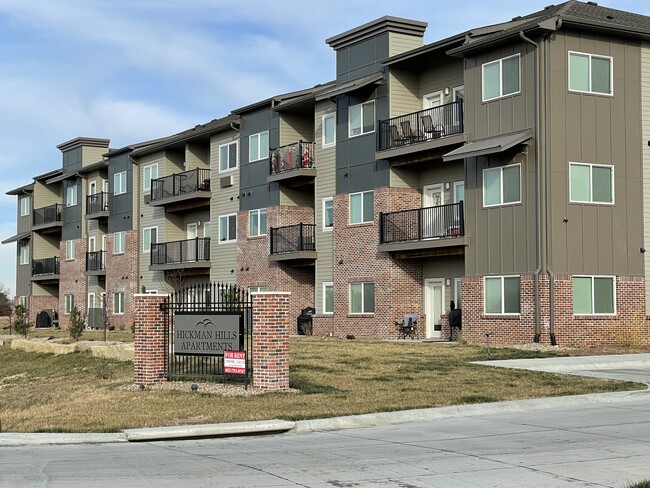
x: 149, y: 362
x: 72, y: 280
x: 41, y: 302
x: 122, y: 276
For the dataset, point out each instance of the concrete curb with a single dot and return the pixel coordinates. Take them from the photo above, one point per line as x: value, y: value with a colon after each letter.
x: 18, y: 439
x: 573, y: 363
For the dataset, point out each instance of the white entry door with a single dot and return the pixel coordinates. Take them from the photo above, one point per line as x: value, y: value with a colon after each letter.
x: 434, y: 306
x: 192, y: 234
x: 92, y: 188
x: 432, y: 219
x: 92, y: 244
x: 433, y: 100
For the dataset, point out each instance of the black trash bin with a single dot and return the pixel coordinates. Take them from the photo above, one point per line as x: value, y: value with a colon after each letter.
x: 305, y: 321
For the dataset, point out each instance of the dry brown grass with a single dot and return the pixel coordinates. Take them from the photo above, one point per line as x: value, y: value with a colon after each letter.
x: 88, y: 335
x: 335, y: 377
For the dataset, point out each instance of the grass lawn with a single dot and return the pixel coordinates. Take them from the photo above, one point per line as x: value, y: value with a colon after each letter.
x: 78, y: 393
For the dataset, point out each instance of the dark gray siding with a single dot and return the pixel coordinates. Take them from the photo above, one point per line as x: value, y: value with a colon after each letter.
x: 121, y: 206
x: 72, y: 159
x: 361, y: 59
x: 71, y: 215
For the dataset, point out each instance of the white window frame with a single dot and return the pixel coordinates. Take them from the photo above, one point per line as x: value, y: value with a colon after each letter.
x: 228, y: 166
x: 119, y: 183
x: 503, y: 302
x: 363, y: 296
x: 22, y: 300
x: 145, y: 231
x: 591, y: 185
x: 119, y: 237
x: 71, y: 196
x: 148, y: 175
x: 458, y: 298
x: 258, y: 156
x: 70, y: 249
x: 207, y: 229
x: 328, y: 228
x: 118, y: 303
x: 257, y: 212
x: 229, y: 239
x: 323, y: 133
x: 501, y: 202
x: 91, y: 298
x: 590, y: 90
x: 362, y: 108
x: 23, y: 252
x: 256, y: 289
x: 326, y: 285
x: 500, y: 62
x: 592, y: 277
x: 68, y: 303
x: 25, y: 205
x: 362, y: 193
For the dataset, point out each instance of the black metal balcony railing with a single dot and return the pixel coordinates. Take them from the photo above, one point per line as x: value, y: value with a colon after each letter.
x: 293, y: 238
x: 46, y: 266
x: 95, y: 260
x: 180, y: 183
x: 97, y: 202
x: 294, y: 156
x: 422, y: 223
x: 48, y: 215
x: 422, y: 126
x: 178, y: 252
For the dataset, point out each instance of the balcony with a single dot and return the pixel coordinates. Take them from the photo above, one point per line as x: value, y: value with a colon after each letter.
x: 48, y: 220
x: 46, y: 270
x: 296, y: 243
x: 191, y: 256
x: 432, y: 130
x: 97, y: 206
x: 423, y: 232
x: 182, y: 191
x: 96, y: 263
x: 294, y: 164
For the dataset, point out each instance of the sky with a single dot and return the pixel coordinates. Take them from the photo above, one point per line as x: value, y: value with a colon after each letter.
x: 134, y: 70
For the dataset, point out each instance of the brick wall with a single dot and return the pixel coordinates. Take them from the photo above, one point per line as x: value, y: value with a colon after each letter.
x: 122, y: 276
x: 72, y: 280
x: 271, y: 341
x: 149, y: 364
x: 38, y: 303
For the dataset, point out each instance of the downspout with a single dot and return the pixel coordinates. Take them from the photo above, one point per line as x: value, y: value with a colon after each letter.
x: 538, y: 193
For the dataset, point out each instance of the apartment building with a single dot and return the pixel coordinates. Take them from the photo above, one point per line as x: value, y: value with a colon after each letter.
x: 503, y: 168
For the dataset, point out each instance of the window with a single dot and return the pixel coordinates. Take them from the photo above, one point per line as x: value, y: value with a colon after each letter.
x: 149, y: 172
x: 258, y: 146
x: 329, y: 130
x: 91, y: 301
x: 25, y: 205
x: 589, y: 73
x: 362, y: 298
x: 501, y: 78
x: 71, y: 196
x: 22, y: 300
x: 228, y: 156
x: 149, y: 237
x: 69, y: 304
x: 69, y: 250
x: 594, y: 295
x: 361, y: 119
x: 328, y: 297
x: 502, y: 295
x: 502, y: 186
x: 119, y: 183
x: 118, y: 303
x: 361, y: 207
x: 207, y: 228
x: 457, y: 292
x: 228, y: 228
x: 257, y: 222
x: 119, y: 241
x: 23, y: 249
x: 256, y: 289
x: 591, y: 183
x: 328, y: 213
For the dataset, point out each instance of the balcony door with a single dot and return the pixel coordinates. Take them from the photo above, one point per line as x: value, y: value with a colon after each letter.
x: 92, y: 244
x: 458, y: 96
x: 434, y: 306
x: 432, y: 219
x: 431, y: 101
x: 192, y: 234
x: 92, y: 188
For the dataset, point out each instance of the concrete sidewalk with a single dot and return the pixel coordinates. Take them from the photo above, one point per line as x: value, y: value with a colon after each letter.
x: 631, y: 367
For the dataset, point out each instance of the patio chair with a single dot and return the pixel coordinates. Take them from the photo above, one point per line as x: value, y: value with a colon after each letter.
x: 435, y: 132
x: 409, y: 134
x: 396, y: 139
x: 408, y: 327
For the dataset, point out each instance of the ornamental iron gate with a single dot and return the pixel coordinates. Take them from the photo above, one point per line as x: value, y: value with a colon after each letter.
x: 209, y: 333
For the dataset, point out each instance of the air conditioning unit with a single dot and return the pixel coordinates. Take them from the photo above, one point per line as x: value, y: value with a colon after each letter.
x: 147, y: 199
x: 226, y: 181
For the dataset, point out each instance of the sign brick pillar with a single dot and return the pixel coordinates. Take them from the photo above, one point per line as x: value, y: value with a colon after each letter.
x: 149, y: 365
x: 271, y: 323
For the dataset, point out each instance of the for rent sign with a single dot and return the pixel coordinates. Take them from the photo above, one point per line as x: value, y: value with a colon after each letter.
x: 234, y: 362
x: 209, y: 334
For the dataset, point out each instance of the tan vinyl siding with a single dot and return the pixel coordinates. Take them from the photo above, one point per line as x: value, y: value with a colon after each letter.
x: 645, y: 136
x: 45, y: 195
x: 294, y: 128
x: 399, y: 43
x: 44, y: 246
x: 197, y: 155
x: 325, y: 187
x: 403, y: 92
x: 224, y: 201
x: 92, y: 155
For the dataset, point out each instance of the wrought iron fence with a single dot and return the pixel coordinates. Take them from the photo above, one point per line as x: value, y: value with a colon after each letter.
x: 95, y: 260
x: 45, y: 266
x: 180, y: 183
x: 292, y: 156
x: 293, y: 238
x: 422, y: 223
x: 422, y: 126
x: 48, y: 215
x: 177, y: 252
x: 97, y: 202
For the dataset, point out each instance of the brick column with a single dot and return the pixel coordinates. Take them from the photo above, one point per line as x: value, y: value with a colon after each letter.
x: 149, y: 365
x: 271, y: 323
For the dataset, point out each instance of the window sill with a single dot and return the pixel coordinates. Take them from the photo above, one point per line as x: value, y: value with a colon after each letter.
x: 599, y: 316
x: 501, y: 316
x: 261, y: 236
x: 362, y: 224
x: 361, y: 315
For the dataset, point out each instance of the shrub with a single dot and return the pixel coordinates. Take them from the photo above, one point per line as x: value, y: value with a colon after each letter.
x: 21, y: 325
x: 633, y: 335
x: 76, y: 324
